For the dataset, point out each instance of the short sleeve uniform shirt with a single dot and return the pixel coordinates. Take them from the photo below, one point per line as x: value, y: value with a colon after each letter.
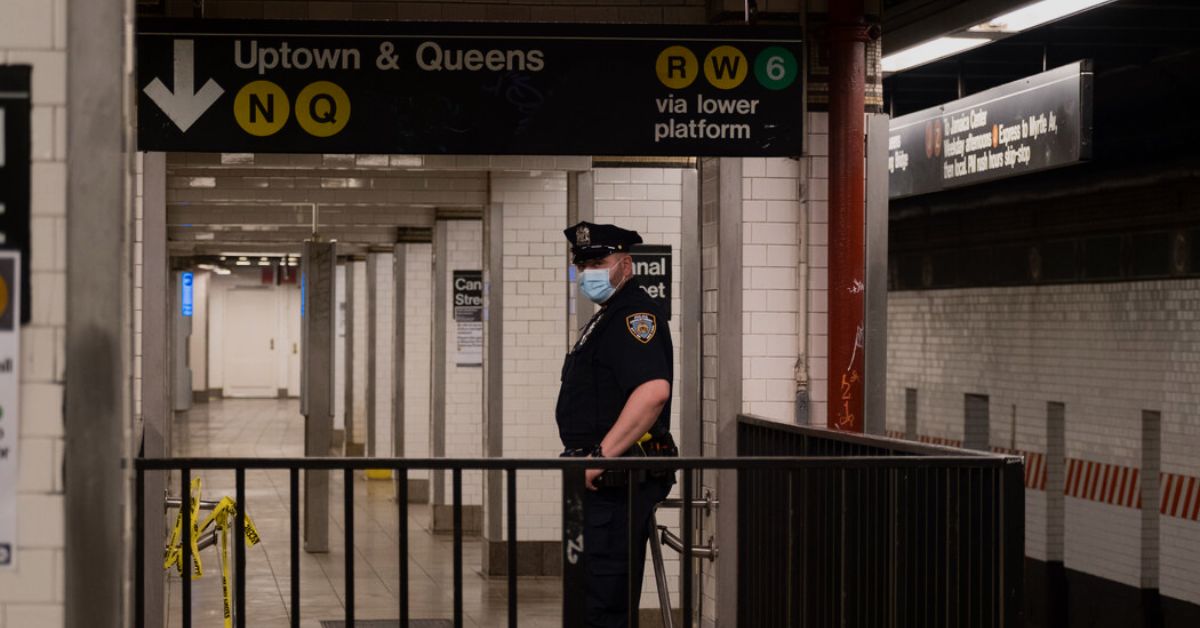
x: 626, y: 344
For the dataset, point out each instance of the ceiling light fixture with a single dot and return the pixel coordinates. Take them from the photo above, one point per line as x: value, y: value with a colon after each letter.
x: 1034, y: 15
x: 931, y: 50
x: 214, y: 269
x: 1029, y: 16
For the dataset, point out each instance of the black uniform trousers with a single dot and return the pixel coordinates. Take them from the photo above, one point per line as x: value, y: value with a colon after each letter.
x: 606, y: 549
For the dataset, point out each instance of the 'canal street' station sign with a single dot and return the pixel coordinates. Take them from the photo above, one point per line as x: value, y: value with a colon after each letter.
x: 479, y: 88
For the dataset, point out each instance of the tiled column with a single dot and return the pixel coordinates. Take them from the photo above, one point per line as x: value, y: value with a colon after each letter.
x: 458, y: 402
x: 418, y: 302
x: 722, y: 184
x: 318, y: 338
x: 357, y: 428
x: 815, y: 199
x: 649, y: 201
x: 379, y: 408
x: 771, y: 254
x: 526, y: 305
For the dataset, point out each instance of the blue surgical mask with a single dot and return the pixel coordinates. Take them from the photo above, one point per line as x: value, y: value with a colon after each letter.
x: 595, y: 284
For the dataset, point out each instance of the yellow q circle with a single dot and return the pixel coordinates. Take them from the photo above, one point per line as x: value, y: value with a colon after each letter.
x: 261, y: 108
x: 322, y: 109
x: 677, y: 67
x: 726, y: 67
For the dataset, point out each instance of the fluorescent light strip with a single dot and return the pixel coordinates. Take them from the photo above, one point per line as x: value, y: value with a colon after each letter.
x: 1035, y: 15
x: 930, y: 51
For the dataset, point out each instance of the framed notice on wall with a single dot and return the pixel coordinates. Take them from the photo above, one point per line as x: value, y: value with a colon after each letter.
x: 10, y: 406
x: 467, y: 294
x: 15, y: 142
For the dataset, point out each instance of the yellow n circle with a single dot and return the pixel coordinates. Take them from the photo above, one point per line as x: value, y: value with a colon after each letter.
x: 261, y: 108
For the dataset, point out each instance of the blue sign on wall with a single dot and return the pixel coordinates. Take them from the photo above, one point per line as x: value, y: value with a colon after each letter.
x: 186, y: 302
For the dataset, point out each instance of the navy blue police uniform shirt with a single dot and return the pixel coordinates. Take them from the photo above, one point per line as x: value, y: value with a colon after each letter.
x: 626, y: 344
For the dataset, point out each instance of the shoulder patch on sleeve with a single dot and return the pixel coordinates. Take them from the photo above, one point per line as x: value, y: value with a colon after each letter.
x: 642, y: 326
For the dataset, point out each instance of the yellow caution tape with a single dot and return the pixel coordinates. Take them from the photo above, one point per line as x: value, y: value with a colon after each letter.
x: 223, y: 517
x: 174, y: 551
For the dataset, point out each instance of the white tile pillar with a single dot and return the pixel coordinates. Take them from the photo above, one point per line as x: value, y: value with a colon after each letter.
x: 458, y: 401
x: 526, y: 308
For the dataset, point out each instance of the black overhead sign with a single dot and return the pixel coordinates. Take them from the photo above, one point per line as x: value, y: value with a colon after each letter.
x: 477, y: 88
x: 1037, y: 123
x: 652, y: 273
x: 15, y: 148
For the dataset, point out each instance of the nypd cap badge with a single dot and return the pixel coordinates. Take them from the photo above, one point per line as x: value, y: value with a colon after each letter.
x: 642, y: 326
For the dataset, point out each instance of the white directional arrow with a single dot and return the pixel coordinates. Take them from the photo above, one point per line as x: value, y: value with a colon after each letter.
x: 185, y: 105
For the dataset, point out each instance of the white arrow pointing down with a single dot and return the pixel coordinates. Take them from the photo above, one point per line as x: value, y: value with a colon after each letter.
x: 185, y: 105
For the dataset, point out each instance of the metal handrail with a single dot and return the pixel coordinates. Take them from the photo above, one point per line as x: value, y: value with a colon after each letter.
x: 708, y: 502
x: 563, y: 464
x: 1007, y: 467
x: 671, y: 540
x: 174, y: 502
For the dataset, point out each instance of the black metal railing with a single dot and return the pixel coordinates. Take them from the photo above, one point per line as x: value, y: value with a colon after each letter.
x: 936, y: 542
x: 807, y: 542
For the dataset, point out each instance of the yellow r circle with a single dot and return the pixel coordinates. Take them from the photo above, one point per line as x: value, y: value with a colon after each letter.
x: 677, y: 67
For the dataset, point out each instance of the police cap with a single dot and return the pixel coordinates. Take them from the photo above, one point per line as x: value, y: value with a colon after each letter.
x: 592, y: 241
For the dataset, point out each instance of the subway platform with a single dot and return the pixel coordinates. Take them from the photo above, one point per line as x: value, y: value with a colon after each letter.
x: 275, y: 428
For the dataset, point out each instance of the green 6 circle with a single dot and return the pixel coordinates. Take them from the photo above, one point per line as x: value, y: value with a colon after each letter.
x: 776, y: 68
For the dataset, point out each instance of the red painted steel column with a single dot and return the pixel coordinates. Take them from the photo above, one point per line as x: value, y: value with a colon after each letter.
x: 847, y: 65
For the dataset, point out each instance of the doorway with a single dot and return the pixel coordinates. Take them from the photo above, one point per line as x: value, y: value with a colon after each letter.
x: 251, y: 326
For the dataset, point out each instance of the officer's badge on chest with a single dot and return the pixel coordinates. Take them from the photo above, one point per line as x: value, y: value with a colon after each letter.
x: 642, y: 325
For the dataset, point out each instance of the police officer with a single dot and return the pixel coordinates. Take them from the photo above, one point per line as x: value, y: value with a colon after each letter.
x: 615, y: 401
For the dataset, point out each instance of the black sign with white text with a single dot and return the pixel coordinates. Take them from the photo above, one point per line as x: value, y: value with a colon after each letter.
x: 1037, y: 123
x: 652, y: 273
x: 468, y: 88
x: 468, y: 296
x: 467, y: 307
x: 15, y: 150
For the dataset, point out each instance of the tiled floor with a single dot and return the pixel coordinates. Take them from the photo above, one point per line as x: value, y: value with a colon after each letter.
x: 271, y: 428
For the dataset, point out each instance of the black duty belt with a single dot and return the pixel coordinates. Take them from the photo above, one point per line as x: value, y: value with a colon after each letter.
x: 652, y: 447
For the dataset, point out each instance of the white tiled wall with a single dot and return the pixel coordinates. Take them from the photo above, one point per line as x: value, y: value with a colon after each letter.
x: 535, y: 305
x: 418, y: 348
x: 649, y: 201
x: 771, y: 321
x: 34, y: 32
x: 709, y: 386
x: 464, y: 384
x: 384, y: 294
x: 783, y: 215
x: 1107, y: 351
x: 136, y: 255
x: 815, y: 198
